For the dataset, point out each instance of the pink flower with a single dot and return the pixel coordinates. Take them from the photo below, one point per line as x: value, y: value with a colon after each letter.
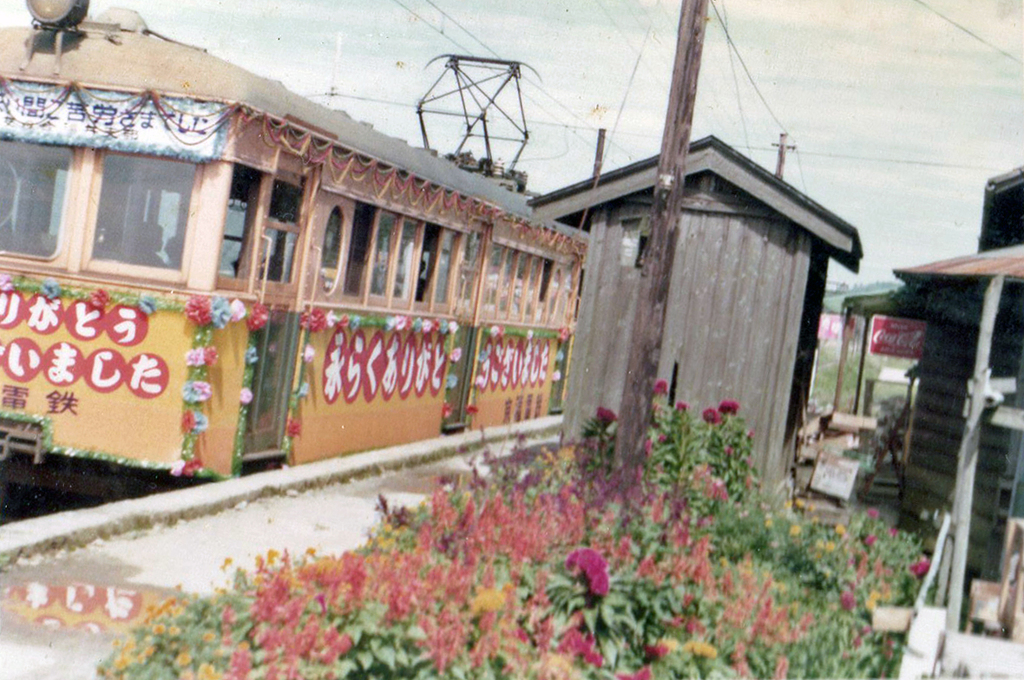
x: 711, y: 416
x: 401, y: 323
x: 648, y: 445
x: 308, y: 353
x: 237, y: 310
x: 294, y: 427
x: 848, y: 600
x: 455, y: 355
x: 605, y: 415
x: 198, y: 310
x: 472, y: 410
x: 481, y: 381
x: 593, y: 566
x: 872, y: 513
x: 921, y: 567
x: 729, y: 407
x: 660, y: 386
x: 245, y: 396
x: 6, y: 283
x: 893, y: 531
x: 682, y: 406
x: 99, y: 299
x: 315, y: 320
x: 446, y: 410
x: 210, y: 356
x: 427, y: 326
x: 576, y: 644
x: 258, y: 317
x: 642, y: 674
x: 195, y: 357
x: 870, y: 540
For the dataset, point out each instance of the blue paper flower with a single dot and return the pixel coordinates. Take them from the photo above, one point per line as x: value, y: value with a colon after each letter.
x: 559, y: 355
x: 50, y: 289
x: 354, y: 321
x: 147, y: 304
x: 202, y: 422
x: 196, y: 391
x: 443, y: 327
x: 303, y: 390
x: 389, y: 323
x: 453, y: 380
x: 252, y: 355
x: 220, y: 312
x: 417, y: 325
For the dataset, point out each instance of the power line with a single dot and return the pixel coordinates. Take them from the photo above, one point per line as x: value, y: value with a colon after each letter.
x: 736, y: 84
x: 967, y: 31
x: 746, y: 70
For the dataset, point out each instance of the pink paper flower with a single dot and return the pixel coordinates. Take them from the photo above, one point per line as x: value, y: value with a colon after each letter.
x: 245, y: 396
x: 237, y: 310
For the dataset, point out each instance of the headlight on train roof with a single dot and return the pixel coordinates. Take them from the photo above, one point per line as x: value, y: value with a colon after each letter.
x: 58, y: 13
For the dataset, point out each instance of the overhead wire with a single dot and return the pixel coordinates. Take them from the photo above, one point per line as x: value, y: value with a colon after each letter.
x: 736, y: 84
x: 967, y: 31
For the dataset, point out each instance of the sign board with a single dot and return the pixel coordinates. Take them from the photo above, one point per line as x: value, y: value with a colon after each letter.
x: 897, y: 337
x: 830, y: 327
x: 835, y: 476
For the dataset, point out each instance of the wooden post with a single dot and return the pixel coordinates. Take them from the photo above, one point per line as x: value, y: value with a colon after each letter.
x: 968, y: 455
x: 844, y: 349
x: 865, y: 337
x: 649, y: 324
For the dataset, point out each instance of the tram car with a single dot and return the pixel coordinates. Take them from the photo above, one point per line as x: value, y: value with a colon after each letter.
x: 202, y: 272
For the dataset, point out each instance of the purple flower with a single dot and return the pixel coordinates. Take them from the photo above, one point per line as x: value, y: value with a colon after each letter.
x: 729, y: 407
x: 660, y: 386
x: 605, y: 415
x: 711, y: 416
x: 245, y: 396
x: 682, y: 406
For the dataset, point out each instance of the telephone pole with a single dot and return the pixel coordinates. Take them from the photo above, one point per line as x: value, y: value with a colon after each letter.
x: 780, y: 164
x: 649, y: 323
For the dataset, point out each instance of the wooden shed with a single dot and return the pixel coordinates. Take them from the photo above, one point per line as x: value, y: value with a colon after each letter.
x: 745, y: 295
x: 948, y: 296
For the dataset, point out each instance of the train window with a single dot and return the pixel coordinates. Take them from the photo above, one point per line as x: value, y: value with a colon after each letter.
x: 553, y: 291
x: 428, y: 260
x: 33, y: 184
x: 531, y: 290
x: 359, y: 248
x: 522, y: 266
x: 245, y: 191
x: 406, y: 251
x: 444, y: 266
x: 493, y: 279
x: 330, y: 253
x: 382, y: 254
x: 143, y: 211
x: 505, y: 286
x: 466, y: 285
x: 282, y: 231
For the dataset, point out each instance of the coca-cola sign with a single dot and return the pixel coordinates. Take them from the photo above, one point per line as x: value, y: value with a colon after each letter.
x: 897, y: 337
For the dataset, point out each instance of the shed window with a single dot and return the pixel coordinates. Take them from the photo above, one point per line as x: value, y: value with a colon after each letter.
x: 143, y: 211
x: 33, y: 183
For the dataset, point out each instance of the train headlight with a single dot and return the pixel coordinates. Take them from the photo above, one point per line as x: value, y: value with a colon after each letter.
x: 58, y: 13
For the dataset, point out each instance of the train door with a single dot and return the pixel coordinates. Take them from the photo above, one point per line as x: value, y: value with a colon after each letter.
x: 276, y: 344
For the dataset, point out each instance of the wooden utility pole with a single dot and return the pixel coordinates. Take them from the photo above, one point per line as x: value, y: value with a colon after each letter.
x: 656, y: 274
x: 780, y: 163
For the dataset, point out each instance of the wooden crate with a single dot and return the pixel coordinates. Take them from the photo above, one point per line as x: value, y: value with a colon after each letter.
x: 1011, y: 594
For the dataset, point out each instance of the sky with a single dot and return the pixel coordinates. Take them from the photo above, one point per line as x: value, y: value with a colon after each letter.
x: 900, y: 110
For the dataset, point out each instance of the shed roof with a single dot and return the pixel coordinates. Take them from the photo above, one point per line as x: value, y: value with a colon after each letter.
x: 714, y: 155
x: 136, y: 60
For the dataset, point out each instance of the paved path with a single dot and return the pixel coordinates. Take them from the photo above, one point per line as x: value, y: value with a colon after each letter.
x: 61, y: 609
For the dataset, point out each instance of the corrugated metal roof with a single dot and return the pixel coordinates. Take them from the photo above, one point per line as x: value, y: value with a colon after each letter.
x: 1008, y: 262
x: 141, y: 62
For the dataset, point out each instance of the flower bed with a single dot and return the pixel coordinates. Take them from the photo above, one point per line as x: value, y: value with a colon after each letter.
x: 557, y: 566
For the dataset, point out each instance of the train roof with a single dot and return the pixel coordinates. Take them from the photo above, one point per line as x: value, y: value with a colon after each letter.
x: 118, y: 52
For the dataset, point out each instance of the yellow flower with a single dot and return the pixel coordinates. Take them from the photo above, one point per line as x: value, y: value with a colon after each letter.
x: 209, y: 636
x: 671, y: 644
x: 227, y: 563
x: 208, y: 672
x: 768, y: 524
x: 174, y: 631
x: 159, y: 629
x: 830, y: 546
x: 840, y: 529
x: 794, y: 530
x: 799, y: 503
x: 700, y: 648
x: 121, y: 662
x: 183, y: 659
x: 272, y: 556
x: 487, y: 600
x: 787, y: 505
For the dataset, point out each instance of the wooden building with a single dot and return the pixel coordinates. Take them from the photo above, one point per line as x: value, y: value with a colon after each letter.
x: 948, y: 296
x: 745, y: 298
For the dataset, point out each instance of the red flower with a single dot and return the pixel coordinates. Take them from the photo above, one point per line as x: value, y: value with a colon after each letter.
x: 343, y: 321
x: 593, y: 566
x: 576, y: 644
x: 210, y: 356
x: 472, y: 410
x: 656, y: 651
x: 257, y: 318
x: 642, y: 674
x: 446, y: 410
x: 848, y: 600
x: 660, y: 387
x: 682, y: 406
x: 294, y: 427
x: 188, y: 421
x: 315, y: 320
x: 605, y: 415
x: 192, y: 466
x: 198, y: 311
x: 99, y: 299
x: 563, y: 334
x: 711, y: 416
x: 729, y: 407
x: 870, y: 540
